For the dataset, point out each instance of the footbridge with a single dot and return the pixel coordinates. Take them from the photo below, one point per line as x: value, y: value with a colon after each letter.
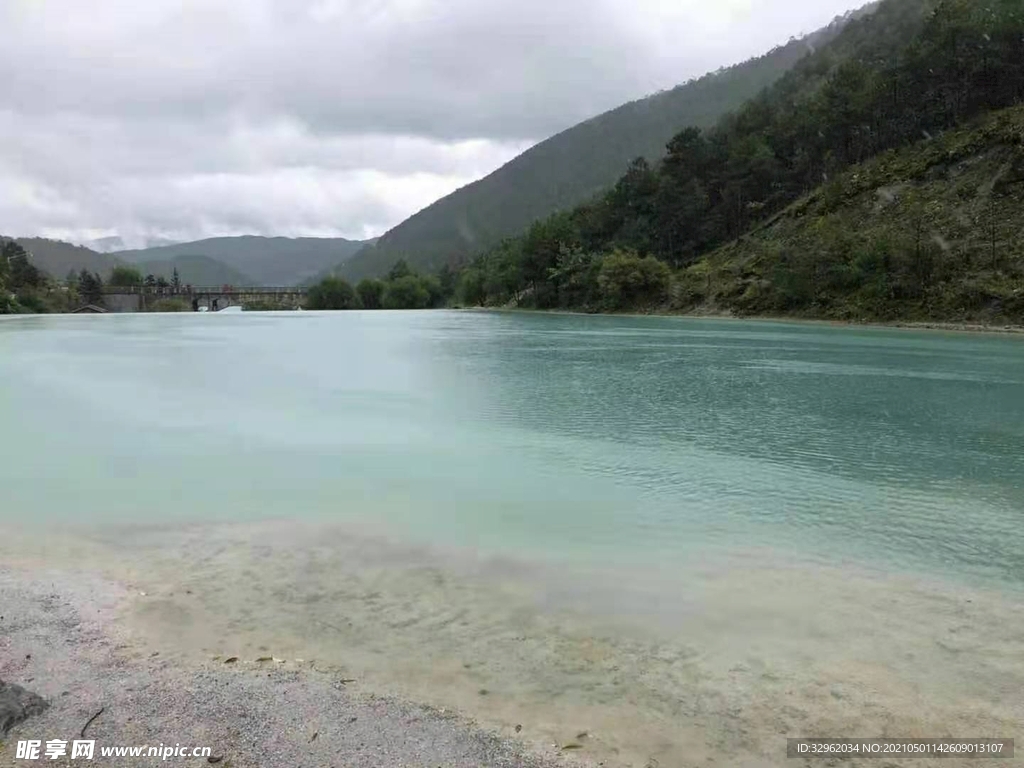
x: 138, y: 298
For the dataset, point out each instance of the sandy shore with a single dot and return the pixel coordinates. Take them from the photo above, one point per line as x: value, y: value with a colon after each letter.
x: 715, y: 665
x: 59, y: 637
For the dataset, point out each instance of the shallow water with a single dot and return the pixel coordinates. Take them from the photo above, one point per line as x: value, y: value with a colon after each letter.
x: 687, y: 538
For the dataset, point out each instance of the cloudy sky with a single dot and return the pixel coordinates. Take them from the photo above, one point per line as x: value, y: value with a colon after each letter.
x: 194, y: 118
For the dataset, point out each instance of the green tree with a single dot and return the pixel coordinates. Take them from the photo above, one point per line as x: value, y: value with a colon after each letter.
x: 370, y: 293
x: 5, y: 266
x: 90, y: 288
x: 409, y: 292
x: 503, y: 273
x: 470, y: 290
x: 176, y: 281
x: 21, y: 273
x: 399, y: 270
x: 539, y: 254
x: 8, y: 304
x: 631, y: 207
x: 575, y: 276
x: 332, y: 293
x: 447, y: 277
x: 435, y: 293
x: 124, y: 275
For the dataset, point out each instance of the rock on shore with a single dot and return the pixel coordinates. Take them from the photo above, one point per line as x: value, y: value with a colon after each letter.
x: 17, y: 705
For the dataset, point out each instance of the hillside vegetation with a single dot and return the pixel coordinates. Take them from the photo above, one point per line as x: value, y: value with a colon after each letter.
x: 889, y: 86
x: 931, y: 232
x: 571, y: 167
x: 24, y: 288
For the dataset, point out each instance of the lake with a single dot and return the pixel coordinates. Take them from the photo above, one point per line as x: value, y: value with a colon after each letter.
x: 709, y: 512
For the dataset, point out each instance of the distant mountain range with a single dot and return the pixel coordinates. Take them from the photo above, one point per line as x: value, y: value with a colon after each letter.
x: 265, y: 260
x: 247, y: 260
x: 196, y: 270
x: 571, y: 167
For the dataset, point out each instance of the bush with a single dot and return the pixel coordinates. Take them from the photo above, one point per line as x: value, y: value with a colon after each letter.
x: 625, y: 280
x: 332, y: 293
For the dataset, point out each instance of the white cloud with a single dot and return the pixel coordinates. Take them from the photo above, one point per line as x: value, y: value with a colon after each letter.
x: 188, y: 118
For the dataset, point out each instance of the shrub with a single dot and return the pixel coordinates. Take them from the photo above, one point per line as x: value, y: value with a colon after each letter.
x: 625, y: 280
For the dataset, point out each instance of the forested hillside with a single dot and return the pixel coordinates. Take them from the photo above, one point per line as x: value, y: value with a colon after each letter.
x: 900, y: 77
x: 930, y: 232
x: 570, y: 167
x: 58, y: 258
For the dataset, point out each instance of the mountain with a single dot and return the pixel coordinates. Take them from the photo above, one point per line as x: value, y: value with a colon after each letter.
x: 905, y: 105
x: 195, y: 270
x: 572, y: 166
x: 247, y: 260
x: 58, y: 258
x: 270, y: 261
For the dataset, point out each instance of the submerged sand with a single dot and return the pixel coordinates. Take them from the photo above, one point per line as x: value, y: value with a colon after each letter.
x: 60, y: 635
x: 715, y: 663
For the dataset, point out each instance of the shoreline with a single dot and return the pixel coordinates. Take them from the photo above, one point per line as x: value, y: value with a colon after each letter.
x: 60, y: 638
x: 942, y: 326
x: 911, y: 325
x: 265, y: 645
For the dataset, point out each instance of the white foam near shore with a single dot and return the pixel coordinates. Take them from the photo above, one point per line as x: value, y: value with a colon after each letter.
x: 714, y: 663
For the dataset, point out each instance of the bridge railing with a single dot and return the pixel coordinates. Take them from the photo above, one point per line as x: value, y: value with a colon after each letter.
x: 199, y: 290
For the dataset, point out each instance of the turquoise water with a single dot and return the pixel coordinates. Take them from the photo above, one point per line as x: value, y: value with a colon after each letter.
x: 590, y: 439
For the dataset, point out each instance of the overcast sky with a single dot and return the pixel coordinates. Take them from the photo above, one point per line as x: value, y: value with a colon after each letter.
x: 194, y: 118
